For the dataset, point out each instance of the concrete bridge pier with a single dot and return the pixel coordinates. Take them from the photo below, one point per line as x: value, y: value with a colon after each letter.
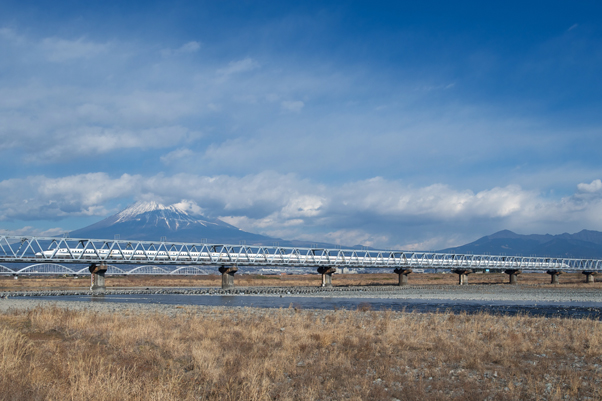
x: 589, y: 276
x: 97, y: 277
x: 326, y: 273
x: 228, y: 276
x: 462, y: 275
x: 554, y: 275
x: 403, y: 275
x: 513, y: 275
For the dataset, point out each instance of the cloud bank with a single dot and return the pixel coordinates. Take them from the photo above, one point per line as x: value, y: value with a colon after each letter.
x: 375, y: 212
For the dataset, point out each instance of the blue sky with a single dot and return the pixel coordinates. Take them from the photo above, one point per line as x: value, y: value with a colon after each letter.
x: 415, y: 125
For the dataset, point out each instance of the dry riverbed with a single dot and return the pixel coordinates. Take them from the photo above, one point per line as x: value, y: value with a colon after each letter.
x: 114, y: 351
x: 101, y: 351
x: 583, y: 295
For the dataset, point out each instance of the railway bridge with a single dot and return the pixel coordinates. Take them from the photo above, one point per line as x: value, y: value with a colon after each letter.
x: 164, y: 257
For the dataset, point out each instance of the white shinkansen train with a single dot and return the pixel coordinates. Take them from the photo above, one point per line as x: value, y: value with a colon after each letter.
x: 299, y: 259
x: 122, y: 254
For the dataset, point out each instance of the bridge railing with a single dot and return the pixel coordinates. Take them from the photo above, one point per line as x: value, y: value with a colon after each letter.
x: 15, y: 249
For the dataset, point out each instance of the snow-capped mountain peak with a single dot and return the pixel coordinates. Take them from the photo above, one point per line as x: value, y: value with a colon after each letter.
x: 178, y: 222
x: 139, y: 208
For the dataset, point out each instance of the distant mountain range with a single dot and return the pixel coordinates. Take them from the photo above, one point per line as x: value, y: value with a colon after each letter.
x: 585, y: 244
x: 150, y: 221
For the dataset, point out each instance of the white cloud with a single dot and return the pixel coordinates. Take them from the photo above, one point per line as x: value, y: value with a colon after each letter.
x: 294, y: 106
x: 32, y: 231
x: 353, y: 237
x: 10, y: 36
x: 375, y: 212
x: 98, y: 140
x: 80, y: 108
x: 187, y: 48
x: 177, y: 155
x: 303, y: 206
x: 43, y: 198
x: 189, y: 206
x: 594, y: 186
x: 190, y: 47
x: 60, y: 50
x: 237, y: 67
x: 429, y: 244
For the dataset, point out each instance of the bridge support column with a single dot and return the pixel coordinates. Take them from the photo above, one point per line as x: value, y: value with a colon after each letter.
x: 589, y: 277
x: 403, y: 275
x: 97, y: 277
x: 513, y: 275
x: 462, y: 275
x: 228, y: 276
x: 554, y: 275
x: 326, y: 273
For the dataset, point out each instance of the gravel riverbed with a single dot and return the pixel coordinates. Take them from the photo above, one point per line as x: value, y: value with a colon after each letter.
x: 449, y: 293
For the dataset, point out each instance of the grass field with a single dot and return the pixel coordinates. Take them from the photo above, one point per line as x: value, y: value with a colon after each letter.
x: 254, y: 354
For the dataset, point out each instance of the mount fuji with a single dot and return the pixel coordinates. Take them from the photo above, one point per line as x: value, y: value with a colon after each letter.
x: 149, y: 221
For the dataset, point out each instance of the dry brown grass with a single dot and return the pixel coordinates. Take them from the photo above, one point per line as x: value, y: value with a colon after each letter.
x: 531, y: 279
x: 253, y: 354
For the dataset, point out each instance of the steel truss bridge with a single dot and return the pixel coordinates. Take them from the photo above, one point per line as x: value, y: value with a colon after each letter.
x: 48, y: 254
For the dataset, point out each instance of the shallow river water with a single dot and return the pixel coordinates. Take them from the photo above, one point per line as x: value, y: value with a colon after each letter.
x: 592, y: 310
